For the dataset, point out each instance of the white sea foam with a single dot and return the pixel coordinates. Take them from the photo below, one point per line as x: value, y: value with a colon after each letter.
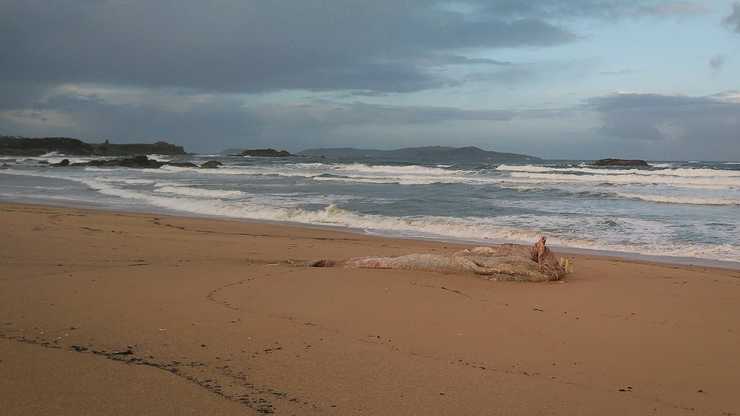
x: 136, y: 181
x: 728, y: 181
x: 160, y: 158
x: 691, y: 200
x: 398, y: 170
x: 354, y: 172
x: 199, y: 192
x: 398, y: 180
x: 678, y: 172
x: 470, y: 228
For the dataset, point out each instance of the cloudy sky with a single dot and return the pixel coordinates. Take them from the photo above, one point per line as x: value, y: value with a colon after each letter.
x: 654, y: 79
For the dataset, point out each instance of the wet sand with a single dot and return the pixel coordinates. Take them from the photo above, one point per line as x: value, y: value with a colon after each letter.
x: 123, y: 313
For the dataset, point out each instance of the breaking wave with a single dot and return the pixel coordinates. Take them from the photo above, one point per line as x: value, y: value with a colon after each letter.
x: 199, y: 192
x: 667, y: 199
x: 574, y: 205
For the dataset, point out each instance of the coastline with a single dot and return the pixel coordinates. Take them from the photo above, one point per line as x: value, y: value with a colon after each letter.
x: 213, y: 303
x: 566, y: 250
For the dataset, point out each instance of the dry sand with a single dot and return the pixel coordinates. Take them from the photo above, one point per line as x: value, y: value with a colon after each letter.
x: 118, y: 313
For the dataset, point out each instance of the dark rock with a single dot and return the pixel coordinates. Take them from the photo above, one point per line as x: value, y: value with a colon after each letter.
x: 4, y: 166
x: 63, y: 163
x: 266, y: 153
x: 211, y: 164
x: 621, y: 162
x: 140, y: 162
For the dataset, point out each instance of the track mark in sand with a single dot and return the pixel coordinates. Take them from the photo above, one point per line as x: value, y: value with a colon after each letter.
x: 456, y: 291
x: 387, y: 344
x: 229, y: 383
x: 212, y: 295
x: 447, y: 289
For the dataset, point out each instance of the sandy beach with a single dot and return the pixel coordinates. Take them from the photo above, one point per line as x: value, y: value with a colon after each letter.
x: 126, y: 313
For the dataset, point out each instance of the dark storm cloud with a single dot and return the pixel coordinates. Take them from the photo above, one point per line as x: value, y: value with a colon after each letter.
x: 256, y: 46
x: 733, y: 20
x: 249, y: 45
x: 708, y: 122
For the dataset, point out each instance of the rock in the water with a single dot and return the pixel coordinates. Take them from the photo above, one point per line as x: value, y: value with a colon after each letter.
x: 211, y: 164
x: 504, y: 262
x: 266, y: 153
x: 621, y: 162
x: 136, y: 162
x: 139, y: 162
x: 63, y: 163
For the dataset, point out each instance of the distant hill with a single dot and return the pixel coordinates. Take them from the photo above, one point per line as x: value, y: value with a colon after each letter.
x: 428, y: 154
x: 23, y: 146
x: 265, y: 153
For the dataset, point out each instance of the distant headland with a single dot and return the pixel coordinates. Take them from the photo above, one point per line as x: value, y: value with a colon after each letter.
x: 24, y: 146
x: 426, y: 154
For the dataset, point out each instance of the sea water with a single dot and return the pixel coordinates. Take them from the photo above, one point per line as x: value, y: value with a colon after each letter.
x: 672, y: 209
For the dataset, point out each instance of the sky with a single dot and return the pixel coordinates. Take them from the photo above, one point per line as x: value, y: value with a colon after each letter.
x: 560, y: 79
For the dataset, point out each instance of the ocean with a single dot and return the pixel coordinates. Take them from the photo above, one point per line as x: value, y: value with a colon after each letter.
x: 687, y: 211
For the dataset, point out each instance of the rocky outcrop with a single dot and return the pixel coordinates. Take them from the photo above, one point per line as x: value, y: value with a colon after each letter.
x: 63, y: 163
x: 138, y: 162
x: 621, y: 162
x: 22, y: 146
x: 266, y: 153
x: 211, y: 164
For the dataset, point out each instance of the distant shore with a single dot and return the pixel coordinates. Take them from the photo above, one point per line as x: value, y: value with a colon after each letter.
x: 110, y: 312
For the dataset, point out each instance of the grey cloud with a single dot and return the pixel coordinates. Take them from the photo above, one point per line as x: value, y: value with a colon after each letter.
x: 733, y: 20
x: 257, y: 46
x: 249, y: 45
x: 608, y: 9
x: 202, y: 126
x: 222, y: 122
x: 442, y: 60
x: 680, y: 124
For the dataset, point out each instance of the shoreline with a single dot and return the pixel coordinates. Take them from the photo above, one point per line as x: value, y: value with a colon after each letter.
x: 616, y: 255
x: 100, y: 299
